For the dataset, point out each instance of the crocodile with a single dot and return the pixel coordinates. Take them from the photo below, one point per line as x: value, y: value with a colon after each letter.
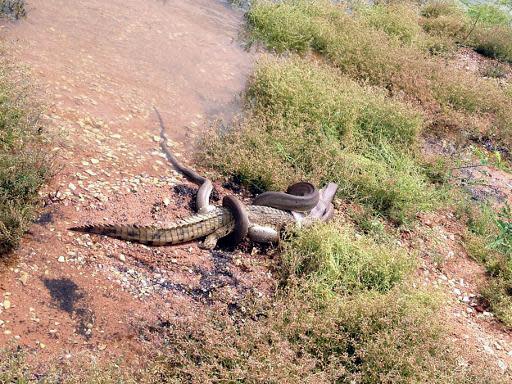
x: 265, y: 224
x: 302, y: 204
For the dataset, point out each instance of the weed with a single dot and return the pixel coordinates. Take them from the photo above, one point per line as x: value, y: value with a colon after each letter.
x: 338, y: 261
x: 503, y: 241
x: 493, y: 41
x: 445, y: 19
x: 364, y: 45
x: 365, y: 338
x: 495, y: 70
x: 490, y: 14
x: 24, y: 165
x: 489, y: 241
x: 397, y: 20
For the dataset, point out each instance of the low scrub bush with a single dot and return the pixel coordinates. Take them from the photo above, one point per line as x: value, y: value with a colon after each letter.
x: 494, y: 41
x: 366, y: 338
x: 489, y: 241
x: 399, y: 20
x: 446, y: 22
x: 489, y: 14
x: 337, y: 261
x: 24, y: 164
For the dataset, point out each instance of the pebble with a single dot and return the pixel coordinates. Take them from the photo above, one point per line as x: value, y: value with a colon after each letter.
x: 502, y: 365
x: 24, y: 278
x: 61, y: 259
x: 7, y: 304
x: 95, y: 161
x: 122, y: 257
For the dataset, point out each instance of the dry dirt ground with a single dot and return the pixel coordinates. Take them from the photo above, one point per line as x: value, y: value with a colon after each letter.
x: 103, y: 66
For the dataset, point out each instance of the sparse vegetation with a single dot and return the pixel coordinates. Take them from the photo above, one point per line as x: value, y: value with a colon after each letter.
x: 310, y: 122
x: 14, y: 9
x: 354, y: 115
x: 367, y: 338
x: 489, y: 241
x: 24, y: 164
x: 446, y: 95
x: 336, y: 261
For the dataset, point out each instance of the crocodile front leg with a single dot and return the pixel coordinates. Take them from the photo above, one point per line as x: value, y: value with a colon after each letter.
x: 211, y: 240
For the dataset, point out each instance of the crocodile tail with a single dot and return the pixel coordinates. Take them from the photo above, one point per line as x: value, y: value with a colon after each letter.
x: 139, y: 234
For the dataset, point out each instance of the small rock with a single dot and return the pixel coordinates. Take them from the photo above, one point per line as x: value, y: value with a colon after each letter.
x: 72, y: 186
x: 156, y: 139
x: 167, y: 201
x: 502, y: 365
x: 7, y: 332
x: 102, y: 347
x: 122, y: 257
x: 95, y: 161
x: 61, y: 259
x: 456, y: 291
x: 7, y: 304
x: 23, y: 278
x: 488, y: 349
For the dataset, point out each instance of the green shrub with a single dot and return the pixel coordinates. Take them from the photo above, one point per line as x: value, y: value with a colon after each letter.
x: 286, y: 25
x: 302, y: 92
x: 495, y: 42
x: 24, y: 164
x: 445, y: 19
x: 495, y: 70
x: 489, y: 241
x: 369, y: 54
x: 337, y: 261
x: 490, y: 14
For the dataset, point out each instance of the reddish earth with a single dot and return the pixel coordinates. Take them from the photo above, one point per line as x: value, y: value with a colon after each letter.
x: 103, y: 66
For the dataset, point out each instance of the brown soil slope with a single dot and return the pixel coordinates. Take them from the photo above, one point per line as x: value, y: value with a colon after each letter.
x: 103, y: 66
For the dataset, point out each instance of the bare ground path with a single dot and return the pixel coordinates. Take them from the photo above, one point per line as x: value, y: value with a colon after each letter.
x: 103, y: 66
